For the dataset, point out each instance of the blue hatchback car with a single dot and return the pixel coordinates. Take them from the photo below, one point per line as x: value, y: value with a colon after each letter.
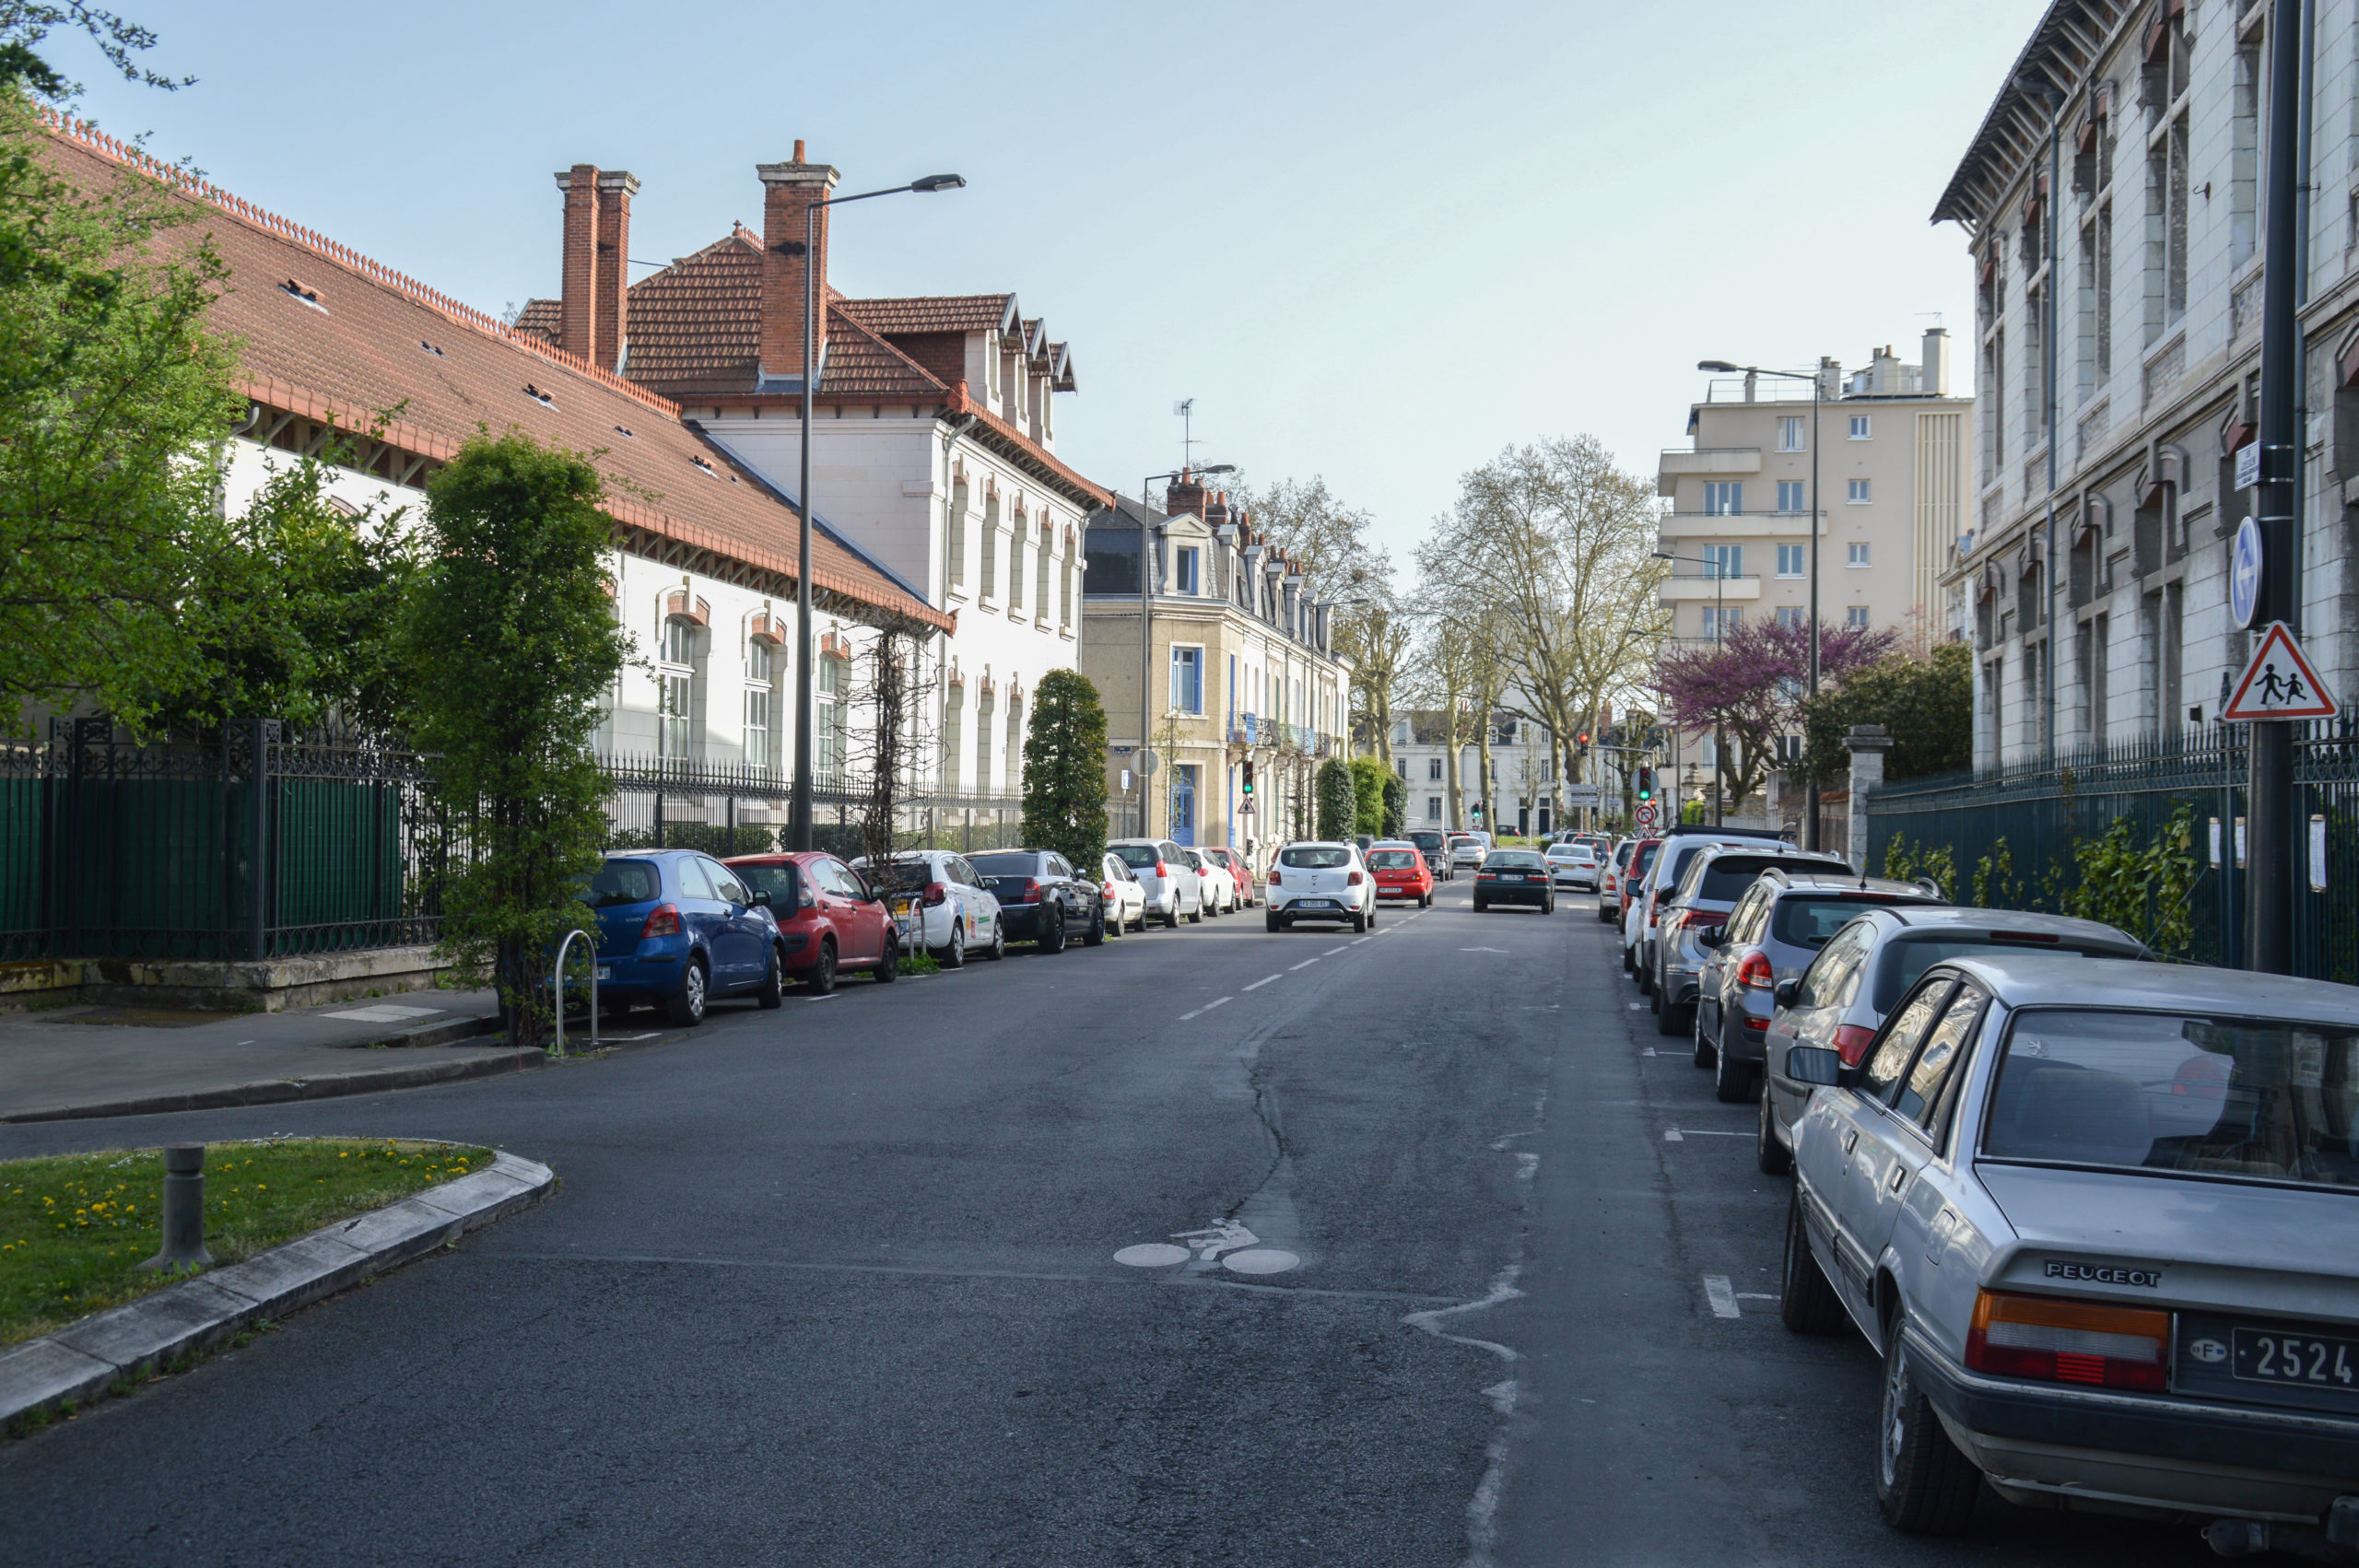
x: 676, y: 928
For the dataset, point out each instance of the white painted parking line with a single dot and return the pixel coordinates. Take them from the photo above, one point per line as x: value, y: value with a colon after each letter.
x: 1304, y: 964
x: 1637, y: 1007
x: 1681, y: 1134
x: 1723, y: 1299
x: 1206, y: 1008
x: 1263, y: 981
x: 1648, y: 1051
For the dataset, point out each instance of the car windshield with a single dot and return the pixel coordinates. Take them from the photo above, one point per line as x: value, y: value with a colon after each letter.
x: 1311, y: 858
x: 1808, y: 921
x: 1008, y: 862
x: 902, y: 876
x: 1643, y: 861
x: 624, y: 881
x: 776, y: 878
x: 2261, y: 1099
x: 1393, y: 859
x: 1514, y: 860
x: 1143, y: 856
x: 1909, y: 957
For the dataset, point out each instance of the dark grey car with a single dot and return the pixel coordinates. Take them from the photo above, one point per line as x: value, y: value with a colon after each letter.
x: 1707, y: 891
x: 1784, y: 919
x: 1837, y: 1002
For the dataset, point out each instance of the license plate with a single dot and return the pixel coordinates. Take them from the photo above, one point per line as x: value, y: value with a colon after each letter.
x: 1512, y: 876
x: 1318, y: 903
x: 2307, y: 1360
x: 606, y: 972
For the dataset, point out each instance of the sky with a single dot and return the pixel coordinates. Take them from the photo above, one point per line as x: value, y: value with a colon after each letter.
x: 1374, y: 242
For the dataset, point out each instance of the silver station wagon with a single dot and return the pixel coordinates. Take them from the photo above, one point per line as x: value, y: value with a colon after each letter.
x: 2101, y: 1218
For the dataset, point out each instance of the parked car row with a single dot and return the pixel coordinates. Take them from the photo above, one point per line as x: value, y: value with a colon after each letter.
x: 2094, y: 1213
x: 676, y: 928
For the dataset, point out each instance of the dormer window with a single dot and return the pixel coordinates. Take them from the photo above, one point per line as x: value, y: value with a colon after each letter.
x: 1185, y: 570
x: 302, y: 296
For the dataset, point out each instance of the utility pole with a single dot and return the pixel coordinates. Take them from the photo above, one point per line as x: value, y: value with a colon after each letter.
x: 2268, y: 803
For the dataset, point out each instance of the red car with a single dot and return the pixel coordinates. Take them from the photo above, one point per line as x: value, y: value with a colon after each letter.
x: 830, y: 919
x: 1237, y: 868
x: 1401, y: 873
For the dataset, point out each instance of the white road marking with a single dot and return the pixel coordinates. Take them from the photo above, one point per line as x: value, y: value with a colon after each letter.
x: 1152, y: 1254
x: 1525, y: 1165
x: 384, y: 1013
x: 830, y: 997
x: 1206, y: 1008
x: 1333, y: 951
x: 1356, y: 941
x: 1263, y: 981
x: 1758, y: 1295
x: 1681, y: 1134
x: 1388, y: 930
x: 1723, y: 1299
x: 1637, y: 1007
x: 1262, y: 1260
x: 1649, y: 1052
x: 1501, y: 951
x: 1304, y: 964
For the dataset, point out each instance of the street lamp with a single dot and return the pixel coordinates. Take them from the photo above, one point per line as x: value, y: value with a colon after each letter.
x: 1817, y: 395
x: 799, y: 813
x: 1146, y: 622
x: 1720, y: 624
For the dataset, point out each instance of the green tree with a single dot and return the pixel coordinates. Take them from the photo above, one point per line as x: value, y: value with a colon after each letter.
x: 1928, y: 705
x: 1338, y: 800
x: 1396, y: 805
x: 1064, y: 770
x: 1368, y: 791
x: 509, y: 637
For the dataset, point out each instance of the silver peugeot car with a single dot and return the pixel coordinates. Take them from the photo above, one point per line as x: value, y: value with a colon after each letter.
x: 2101, y: 1219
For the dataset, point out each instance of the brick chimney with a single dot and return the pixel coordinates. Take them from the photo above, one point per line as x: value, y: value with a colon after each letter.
x: 593, y: 313
x: 788, y: 190
x: 1185, y: 494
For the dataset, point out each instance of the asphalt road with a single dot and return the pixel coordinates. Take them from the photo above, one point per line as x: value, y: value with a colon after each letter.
x: 836, y: 1285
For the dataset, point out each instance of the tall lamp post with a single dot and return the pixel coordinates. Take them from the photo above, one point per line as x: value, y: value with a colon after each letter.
x: 799, y: 813
x: 1146, y: 622
x: 1720, y: 624
x: 1817, y: 396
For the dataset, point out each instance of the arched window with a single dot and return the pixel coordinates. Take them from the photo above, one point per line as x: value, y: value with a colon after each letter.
x: 677, y: 688
x: 761, y: 702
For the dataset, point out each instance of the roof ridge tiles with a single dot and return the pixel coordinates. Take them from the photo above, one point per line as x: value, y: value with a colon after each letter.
x: 91, y: 139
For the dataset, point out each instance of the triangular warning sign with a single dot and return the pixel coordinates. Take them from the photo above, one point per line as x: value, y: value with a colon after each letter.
x: 2279, y: 684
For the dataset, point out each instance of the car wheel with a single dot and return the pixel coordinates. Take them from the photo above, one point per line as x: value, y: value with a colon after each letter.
x: 1096, y: 935
x: 821, y: 980
x: 1768, y: 1153
x: 1548, y: 906
x: 1270, y: 921
x: 1705, y: 1054
x: 888, y: 967
x: 1359, y: 922
x: 1627, y: 966
x: 1924, y: 1486
x: 687, y: 1005
x: 1196, y: 915
x: 1425, y: 901
x: 773, y: 991
x: 1732, y: 1082
x: 1480, y: 906
x: 998, y: 948
x: 1371, y: 914
x: 1171, y: 921
x: 955, y: 955
x: 1806, y: 1303
x: 1052, y: 934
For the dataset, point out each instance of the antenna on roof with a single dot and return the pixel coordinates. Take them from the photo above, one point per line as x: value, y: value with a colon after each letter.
x: 1186, y: 408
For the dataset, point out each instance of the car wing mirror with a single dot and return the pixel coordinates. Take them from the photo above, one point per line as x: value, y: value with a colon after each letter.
x: 1787, y: 992
x: 1814, y: 1064
x: 1712, y: 936
x: 762, y: 898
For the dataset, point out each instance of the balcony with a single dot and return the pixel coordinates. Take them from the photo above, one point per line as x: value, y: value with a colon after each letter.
x: 1690, y: 581
x: 1713, y: 462
x: 1677, y: 526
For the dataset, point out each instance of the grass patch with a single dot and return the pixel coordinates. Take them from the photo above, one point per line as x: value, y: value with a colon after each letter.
x: 75, y: 1228
x: 920, y: 964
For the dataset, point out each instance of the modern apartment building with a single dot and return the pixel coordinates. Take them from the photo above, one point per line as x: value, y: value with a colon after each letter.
x: 1244, y: 683
x: 2155, y: 287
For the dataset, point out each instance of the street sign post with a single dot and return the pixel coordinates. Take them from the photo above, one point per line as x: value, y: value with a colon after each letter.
x: 1581, y: 795
x: 2279, y: 682
x: 1645, y: 813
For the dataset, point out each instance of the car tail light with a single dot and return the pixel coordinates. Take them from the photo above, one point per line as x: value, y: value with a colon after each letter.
x: 2068, y: 1342
x: 1160, y: 870
x: 1031, y: 891
x: 1756, y: 972
x: 1851, y: 1043
x: 662, y: 920
x: 1699, y: 917
x: 1273, y: 876
x: 936, y: 893
x: 1654, y: 914
x: 1353, y: 880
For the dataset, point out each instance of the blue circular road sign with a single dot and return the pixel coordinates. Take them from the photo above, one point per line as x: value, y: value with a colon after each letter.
x: 2244, y: 573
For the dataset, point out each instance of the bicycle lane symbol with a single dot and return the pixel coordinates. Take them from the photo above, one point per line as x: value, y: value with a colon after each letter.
x: 1223, y: 1242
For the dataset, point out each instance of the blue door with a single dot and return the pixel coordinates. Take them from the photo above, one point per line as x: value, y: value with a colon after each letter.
x: 1183, y: 803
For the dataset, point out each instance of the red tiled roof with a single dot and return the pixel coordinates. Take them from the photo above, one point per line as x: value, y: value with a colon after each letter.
x: 376, y: 344
x: 543, y: 319
x: 932, y: 313
x: 696, y: 327
x: 861, y: 364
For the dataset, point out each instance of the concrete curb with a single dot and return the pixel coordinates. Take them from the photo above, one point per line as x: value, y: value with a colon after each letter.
x: 276, y: 1091
x: 83, y: 1361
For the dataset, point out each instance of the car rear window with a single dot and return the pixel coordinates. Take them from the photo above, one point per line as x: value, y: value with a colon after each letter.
x: 1906, y: 958
x: 1425, y: 841
x: 1009, y: 864
x: 1646, y: 859
x: 1727, y: 876
x: 1141, y: 855
x: 777, y: 879
x: 1311, y: 859
x: 900, y: 877
x: 2168, y: 1092
x: 1393, y: 859
x: 1811, y: 919
x: 1514, y: 860
x: 625, y: 881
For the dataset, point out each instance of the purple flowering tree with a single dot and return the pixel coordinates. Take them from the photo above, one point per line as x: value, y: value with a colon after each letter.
x: 1752, y: 683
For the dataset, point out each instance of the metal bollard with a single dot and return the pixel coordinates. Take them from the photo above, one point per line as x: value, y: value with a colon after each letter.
x: 183, y: 1209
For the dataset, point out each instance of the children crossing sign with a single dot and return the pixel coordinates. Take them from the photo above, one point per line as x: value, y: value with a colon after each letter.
x: 2279, y: 682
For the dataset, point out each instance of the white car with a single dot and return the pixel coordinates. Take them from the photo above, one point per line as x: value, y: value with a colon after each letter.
x: 1320, y: 881
x: 1219, y: 882
x: 1467, y: 849
x: 1173, y: 888
x: 937, y: 901
x: 1572, y: 864
x: 1125, y: 899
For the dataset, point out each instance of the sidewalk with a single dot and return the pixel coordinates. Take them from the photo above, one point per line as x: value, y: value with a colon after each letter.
x: 100, y: 1060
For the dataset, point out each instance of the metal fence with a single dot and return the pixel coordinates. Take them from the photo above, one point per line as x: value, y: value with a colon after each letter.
x: 728, y: 809
x: 2024, y: 827
x: 248, y: 846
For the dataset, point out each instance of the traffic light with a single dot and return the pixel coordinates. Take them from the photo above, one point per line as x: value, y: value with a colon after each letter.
x: 1582, y: 737
x: 1646, y: 782
x: 1249, y: 776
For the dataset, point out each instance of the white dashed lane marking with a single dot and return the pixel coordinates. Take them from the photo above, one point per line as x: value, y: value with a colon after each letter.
x: 1263, y: 981
x: 1304, y: 964
x: 1681, y: 1134
x: 1206, y: 1008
